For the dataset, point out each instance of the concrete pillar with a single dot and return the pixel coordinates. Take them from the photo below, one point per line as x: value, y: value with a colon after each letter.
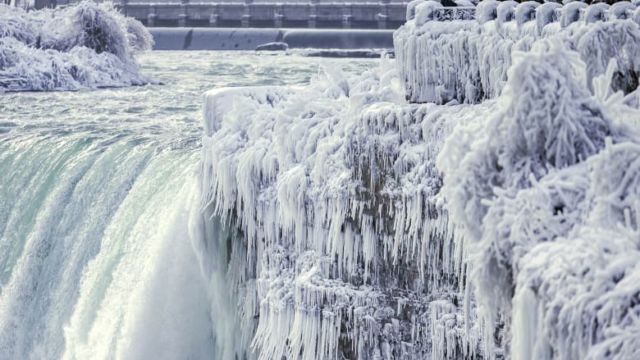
x: 278, y: 17
x: 246, y: 17
x: 347, y: 17
x: 182, y: 18
x: 213, y: 19
x: 124, y: 7
x: 151, y: 18
x: 312, y: 22
x: 383, y: 15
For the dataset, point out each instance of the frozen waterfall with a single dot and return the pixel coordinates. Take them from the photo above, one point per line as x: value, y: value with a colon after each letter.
x: 111, y: 268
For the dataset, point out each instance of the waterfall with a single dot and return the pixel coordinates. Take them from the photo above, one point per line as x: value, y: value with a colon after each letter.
x: 96, y: 250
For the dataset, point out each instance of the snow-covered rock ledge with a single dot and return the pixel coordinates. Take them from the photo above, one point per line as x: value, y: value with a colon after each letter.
x: 359, y: 225
x: 87, y: 45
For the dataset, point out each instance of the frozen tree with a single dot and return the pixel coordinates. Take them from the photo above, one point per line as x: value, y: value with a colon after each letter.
x: 86, y: 45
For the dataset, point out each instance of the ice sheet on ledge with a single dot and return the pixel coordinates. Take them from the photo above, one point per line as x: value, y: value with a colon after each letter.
x: 467, y: 60
x: 87, y: 45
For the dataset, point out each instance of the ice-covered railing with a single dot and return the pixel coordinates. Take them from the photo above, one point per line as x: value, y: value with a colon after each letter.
x: 463, y: 54
x: 87, y: 45
x: 341, y: 246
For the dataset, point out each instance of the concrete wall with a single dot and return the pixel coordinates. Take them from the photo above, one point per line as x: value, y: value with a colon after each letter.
x: 249, y: 39
x: 381, y: 14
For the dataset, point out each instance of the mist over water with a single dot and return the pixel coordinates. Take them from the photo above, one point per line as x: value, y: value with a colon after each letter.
x: 101, y: 254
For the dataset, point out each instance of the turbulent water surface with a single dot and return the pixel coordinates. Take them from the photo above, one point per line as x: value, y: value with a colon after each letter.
x: 98, y: 193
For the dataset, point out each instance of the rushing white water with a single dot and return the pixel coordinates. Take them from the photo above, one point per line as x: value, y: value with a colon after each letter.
x: 100, y: 212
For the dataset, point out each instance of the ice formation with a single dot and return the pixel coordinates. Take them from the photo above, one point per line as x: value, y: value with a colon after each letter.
x: 493, y: 215
x: 82, y: 46
x: 331, y: 190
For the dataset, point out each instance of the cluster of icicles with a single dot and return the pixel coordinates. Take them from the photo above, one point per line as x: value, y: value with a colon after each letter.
x: 86, y: 45
x: 340, y: 246
x: 366, y: 227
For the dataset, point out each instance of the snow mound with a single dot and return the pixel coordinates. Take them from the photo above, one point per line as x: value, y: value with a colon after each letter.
x: 82, y: 46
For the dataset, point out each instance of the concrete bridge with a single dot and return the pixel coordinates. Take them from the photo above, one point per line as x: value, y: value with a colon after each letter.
x: 357, y: 14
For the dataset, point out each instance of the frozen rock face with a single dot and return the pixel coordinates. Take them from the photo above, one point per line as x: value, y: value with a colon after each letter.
x: 82, y: 46
x: 341, y: 247
x: 362, y: 226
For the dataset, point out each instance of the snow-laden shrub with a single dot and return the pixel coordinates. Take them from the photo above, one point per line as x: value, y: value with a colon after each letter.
x: 16, y: 23
x: 577, y: 298
x: 83, y: 46
x: 617, y: 40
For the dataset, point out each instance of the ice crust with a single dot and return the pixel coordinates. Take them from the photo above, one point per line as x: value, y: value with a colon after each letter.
x: 87, y: 45
x: 365, y: 226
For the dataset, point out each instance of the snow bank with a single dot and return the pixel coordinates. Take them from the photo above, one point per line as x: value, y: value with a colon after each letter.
x: 467, y: 60
x: 83, y: 46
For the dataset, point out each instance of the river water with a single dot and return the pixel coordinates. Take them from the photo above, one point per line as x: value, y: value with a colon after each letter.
x: 98, y: 191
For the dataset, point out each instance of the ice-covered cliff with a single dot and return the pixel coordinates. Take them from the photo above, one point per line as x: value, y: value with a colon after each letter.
x: 340, y: 245
x: 497, y: 218
x: 87, y: 45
